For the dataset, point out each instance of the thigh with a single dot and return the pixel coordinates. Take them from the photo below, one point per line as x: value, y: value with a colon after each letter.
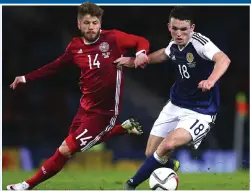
x: 78, y: 118
x: 91, y: 129
x: 166, y: 122
x: 198, y: 125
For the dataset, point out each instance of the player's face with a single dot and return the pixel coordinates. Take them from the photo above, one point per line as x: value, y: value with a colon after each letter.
x: 89, y: 26
x: 181, y: 31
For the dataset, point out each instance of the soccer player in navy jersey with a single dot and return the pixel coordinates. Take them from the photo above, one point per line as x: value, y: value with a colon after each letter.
x: 194, y: 97
x: 101, y: 83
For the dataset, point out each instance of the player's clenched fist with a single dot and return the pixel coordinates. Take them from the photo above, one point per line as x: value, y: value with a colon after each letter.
x: 206, y: 85
x: 18, y: 80
x: 141, y: 60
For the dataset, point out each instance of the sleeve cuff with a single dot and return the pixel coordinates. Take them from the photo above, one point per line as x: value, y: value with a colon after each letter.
x: 141, y: 51
x: 24, y: 79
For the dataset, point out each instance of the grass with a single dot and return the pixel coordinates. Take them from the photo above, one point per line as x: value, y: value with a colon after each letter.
x: 105, y: 180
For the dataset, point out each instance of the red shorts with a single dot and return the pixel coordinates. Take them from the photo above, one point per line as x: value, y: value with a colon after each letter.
x: 87, y: 130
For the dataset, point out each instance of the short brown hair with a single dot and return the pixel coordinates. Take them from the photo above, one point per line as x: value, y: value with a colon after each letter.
x: 91, y: 9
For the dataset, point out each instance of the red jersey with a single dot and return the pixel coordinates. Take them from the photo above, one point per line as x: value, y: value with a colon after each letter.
x: 101, y: 81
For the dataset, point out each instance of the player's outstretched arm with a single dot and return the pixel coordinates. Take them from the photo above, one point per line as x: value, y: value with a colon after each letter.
x: 46, y: 70
x: 18, y: 80
x: 221, y: 65
x: 158, y: 56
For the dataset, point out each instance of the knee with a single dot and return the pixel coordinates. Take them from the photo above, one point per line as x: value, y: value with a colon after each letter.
x: 165, y: 148
x: 170, y: 145
x: 177, y: 138
x: 65, y: 150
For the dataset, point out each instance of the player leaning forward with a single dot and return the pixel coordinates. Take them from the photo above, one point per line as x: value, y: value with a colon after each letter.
x: 194, y: 97
x: 101, y: 83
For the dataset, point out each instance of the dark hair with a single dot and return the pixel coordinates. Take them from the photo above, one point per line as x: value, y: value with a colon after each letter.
x: 91, y: 9
x: 182, y: 13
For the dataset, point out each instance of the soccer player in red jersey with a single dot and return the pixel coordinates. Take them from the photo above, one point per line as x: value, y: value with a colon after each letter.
x: 101, y: 83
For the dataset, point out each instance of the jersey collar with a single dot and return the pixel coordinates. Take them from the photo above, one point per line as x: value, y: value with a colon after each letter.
x: 190, y: 40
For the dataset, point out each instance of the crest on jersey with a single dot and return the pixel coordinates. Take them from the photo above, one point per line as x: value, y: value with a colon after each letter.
x: 104, y: 47
x: 190, y: 57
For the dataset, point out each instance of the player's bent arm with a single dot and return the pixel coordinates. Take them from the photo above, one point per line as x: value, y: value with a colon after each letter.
x: 158, y: 56
x: 125, y: 41
x: 209, y: 51
x: 50, y: 68
x: 221, y: 64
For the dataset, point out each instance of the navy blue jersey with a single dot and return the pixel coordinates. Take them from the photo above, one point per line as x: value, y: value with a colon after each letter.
x: 193, y: 63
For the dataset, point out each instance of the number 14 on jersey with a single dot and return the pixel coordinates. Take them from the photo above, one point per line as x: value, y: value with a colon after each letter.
x: 93, y: 62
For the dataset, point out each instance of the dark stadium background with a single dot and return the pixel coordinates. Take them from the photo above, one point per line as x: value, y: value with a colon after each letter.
x: 37, y: 116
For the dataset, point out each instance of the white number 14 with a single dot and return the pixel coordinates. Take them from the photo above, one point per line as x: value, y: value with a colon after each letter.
x: 95, y: 62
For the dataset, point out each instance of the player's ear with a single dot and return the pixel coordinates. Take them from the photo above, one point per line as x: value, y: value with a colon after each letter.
x: 169, y: 26
x: 78, y: 23
x: 192, y: 27
x: 100, y: 20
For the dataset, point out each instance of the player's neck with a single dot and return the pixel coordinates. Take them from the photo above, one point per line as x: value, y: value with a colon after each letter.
x: 90, y: 42
x: 181, y: 47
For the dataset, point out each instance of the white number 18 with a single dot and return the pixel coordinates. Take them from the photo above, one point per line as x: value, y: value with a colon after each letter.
x: 183, y: 71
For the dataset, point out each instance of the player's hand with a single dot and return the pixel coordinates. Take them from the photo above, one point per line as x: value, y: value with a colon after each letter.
x: 125, y: 61
x: 18, y: 80
x: 206, y: 85
x: 141, y: 61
